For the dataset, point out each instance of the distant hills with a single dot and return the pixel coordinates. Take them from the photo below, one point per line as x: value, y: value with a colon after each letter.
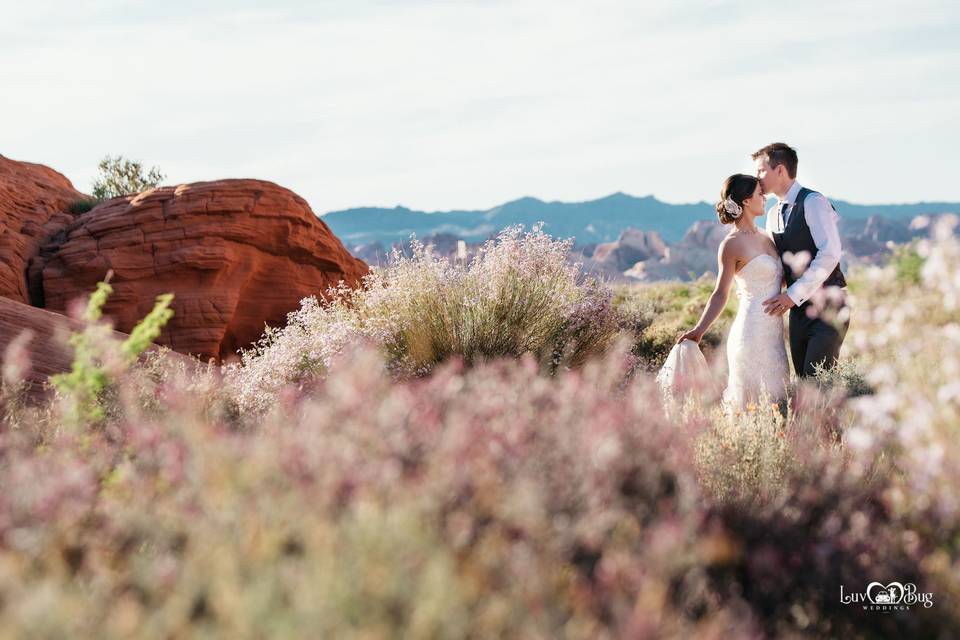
x: 590, y: 222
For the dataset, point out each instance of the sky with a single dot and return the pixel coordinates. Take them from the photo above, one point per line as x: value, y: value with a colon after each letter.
x: 467, y: 104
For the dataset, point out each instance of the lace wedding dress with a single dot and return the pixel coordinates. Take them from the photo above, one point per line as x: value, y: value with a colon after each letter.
x: 756, y: 355
x: 684, y: 371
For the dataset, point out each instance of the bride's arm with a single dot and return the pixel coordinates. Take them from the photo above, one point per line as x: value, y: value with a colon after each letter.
x: 726, y: 262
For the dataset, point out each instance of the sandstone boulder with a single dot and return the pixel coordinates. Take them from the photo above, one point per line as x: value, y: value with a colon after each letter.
x: 35, y: 203
x: 235, y: 253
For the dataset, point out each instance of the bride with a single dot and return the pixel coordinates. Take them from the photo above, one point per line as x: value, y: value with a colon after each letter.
x: 756, y: 355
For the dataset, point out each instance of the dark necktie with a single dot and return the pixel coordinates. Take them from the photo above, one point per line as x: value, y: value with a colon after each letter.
x: 781, y: 209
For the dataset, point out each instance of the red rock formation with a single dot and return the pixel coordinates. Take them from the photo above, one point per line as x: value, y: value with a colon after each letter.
x: 235, y: 253
x: 696, y: 253
x: 47, y: 355
x: 631, y: 247
x: 35, y: 203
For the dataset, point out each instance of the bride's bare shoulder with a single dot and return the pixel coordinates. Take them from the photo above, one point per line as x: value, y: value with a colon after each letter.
x: 730, y: 248
x: 730, y: 242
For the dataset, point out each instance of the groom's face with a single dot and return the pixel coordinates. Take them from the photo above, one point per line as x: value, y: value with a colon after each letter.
x: 771, y: 180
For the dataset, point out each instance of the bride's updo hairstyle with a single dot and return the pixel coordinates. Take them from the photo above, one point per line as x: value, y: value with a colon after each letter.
x: 736, y: 189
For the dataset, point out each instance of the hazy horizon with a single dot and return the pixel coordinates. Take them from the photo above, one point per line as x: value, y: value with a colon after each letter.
x: 468, y: 105
x: 770, y: 198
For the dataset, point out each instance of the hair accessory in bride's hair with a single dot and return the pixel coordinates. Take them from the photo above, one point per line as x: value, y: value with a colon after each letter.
x: 732, y: 207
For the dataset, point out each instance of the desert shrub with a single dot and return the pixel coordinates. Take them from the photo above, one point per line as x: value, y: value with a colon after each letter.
x: 82, y: 206
x: 744, y: 455
x: 826, y: 525
x: 657, y: 313
x: 907, y: 263
x: 13, y: 384
x: 484, y: 501
x: 845, y: 374
x: 488, y: 501
x: 119, y: 176
x: 907, y: 339
x: 517, y: 295
x: 806, y: 515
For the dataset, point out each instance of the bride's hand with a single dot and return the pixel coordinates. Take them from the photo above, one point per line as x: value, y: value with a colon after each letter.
x: 693, y: 334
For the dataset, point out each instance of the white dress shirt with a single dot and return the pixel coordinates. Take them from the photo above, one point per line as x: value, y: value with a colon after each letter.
x: 822, y: 220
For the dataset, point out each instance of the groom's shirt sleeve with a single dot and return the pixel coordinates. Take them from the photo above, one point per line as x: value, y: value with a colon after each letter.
x: 823, y: 222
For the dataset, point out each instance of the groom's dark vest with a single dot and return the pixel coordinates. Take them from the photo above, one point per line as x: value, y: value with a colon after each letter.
x: 796, y: 237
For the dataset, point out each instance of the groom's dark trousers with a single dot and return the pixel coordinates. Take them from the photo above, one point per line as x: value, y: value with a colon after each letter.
x: 812, y: 340
x: 816, y: 340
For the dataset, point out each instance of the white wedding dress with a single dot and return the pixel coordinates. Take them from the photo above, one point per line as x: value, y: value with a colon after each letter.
x: 684, y: 371
x: 756, y: 355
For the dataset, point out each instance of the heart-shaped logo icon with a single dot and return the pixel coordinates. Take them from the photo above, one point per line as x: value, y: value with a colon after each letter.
x: 889, y: 594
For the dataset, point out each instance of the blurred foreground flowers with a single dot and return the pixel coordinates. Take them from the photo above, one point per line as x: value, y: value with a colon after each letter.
x: 490, y: 496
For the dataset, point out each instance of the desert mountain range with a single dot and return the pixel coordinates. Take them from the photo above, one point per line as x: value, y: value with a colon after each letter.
x: 623, y: 237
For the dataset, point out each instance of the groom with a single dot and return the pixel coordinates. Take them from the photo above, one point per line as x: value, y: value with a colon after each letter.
x: 804, y: 226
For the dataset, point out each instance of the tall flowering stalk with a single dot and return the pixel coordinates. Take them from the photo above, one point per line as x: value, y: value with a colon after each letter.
x: 96, y: 361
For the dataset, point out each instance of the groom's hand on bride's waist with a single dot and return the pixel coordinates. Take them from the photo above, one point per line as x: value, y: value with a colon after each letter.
x: 777, y: 305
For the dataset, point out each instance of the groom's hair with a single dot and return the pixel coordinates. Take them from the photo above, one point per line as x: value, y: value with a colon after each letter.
x: 779, y: 153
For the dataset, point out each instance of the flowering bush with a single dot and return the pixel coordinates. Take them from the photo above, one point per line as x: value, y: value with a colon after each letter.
x: 487, y: 499
x: 909, y: 339
x: 518, y: 295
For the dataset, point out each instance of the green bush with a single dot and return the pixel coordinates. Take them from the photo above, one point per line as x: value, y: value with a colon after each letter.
x: 82, y: 206
x: 96, y: 362
x: 120, y: 176
x: 907, y: 262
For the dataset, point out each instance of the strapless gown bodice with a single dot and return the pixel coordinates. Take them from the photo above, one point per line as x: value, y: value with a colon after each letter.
x: 756, y: 352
